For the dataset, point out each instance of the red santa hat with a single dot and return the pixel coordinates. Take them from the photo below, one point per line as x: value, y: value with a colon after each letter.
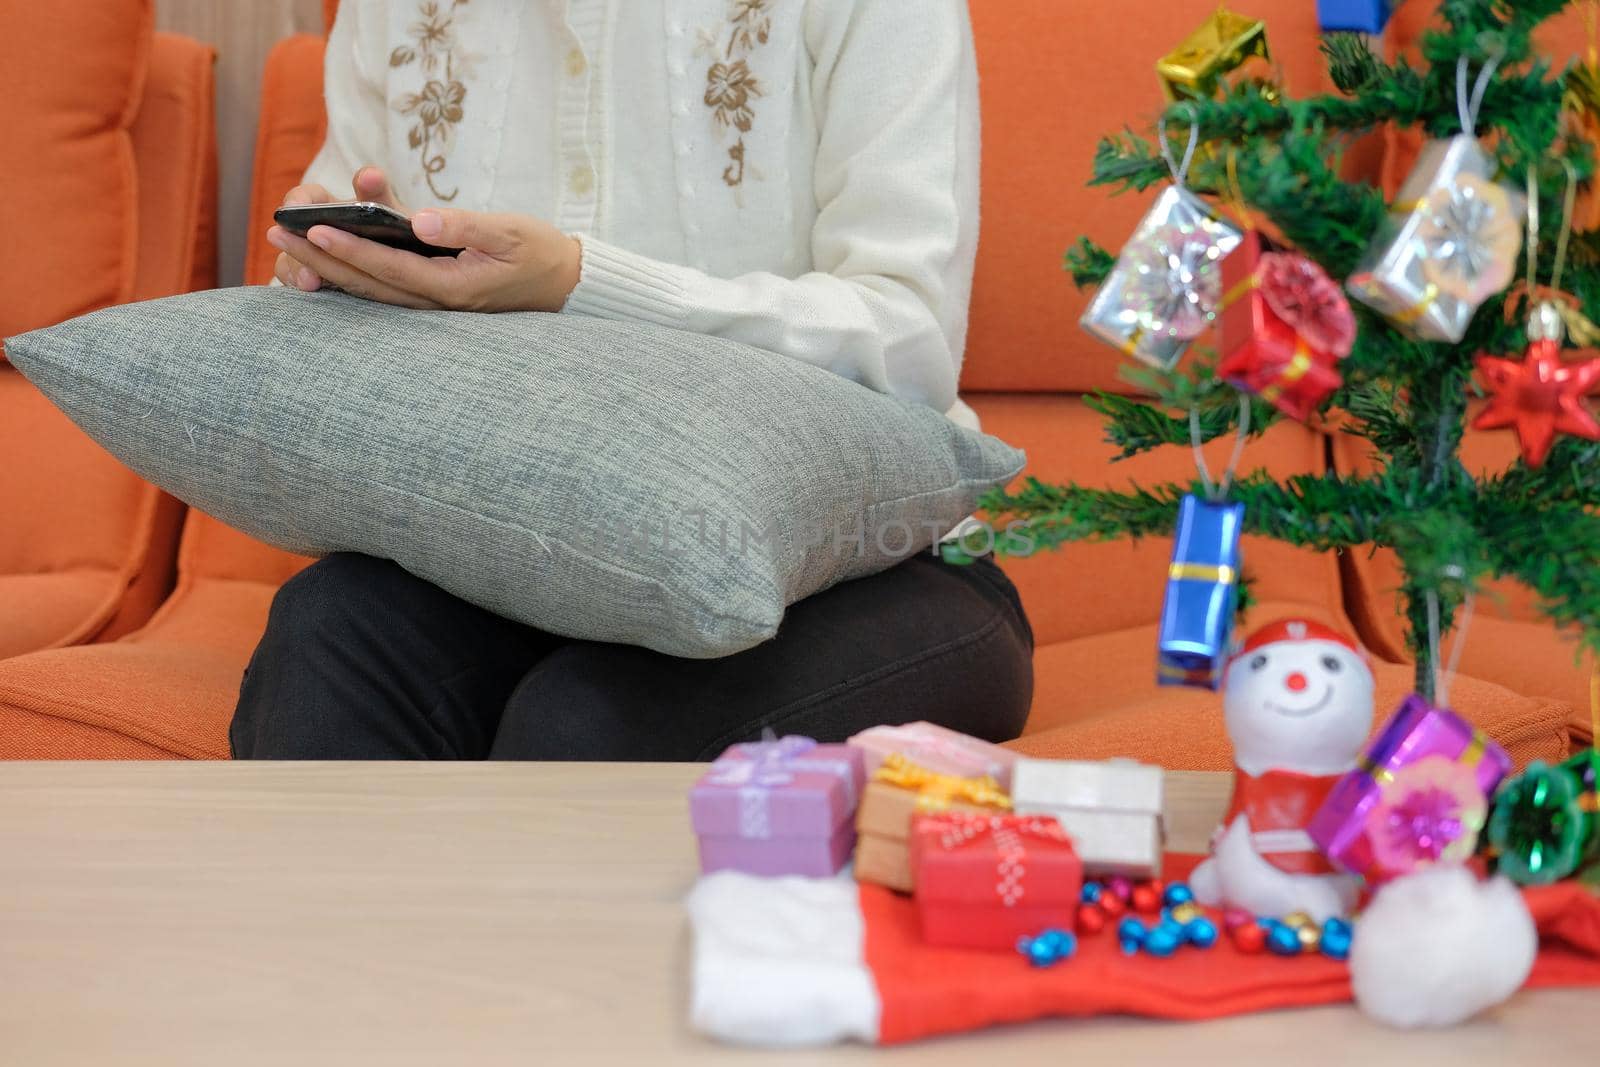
x: 1295, y: 629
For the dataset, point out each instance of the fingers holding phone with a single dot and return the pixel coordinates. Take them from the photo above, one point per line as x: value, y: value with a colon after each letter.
x: 372, y: 185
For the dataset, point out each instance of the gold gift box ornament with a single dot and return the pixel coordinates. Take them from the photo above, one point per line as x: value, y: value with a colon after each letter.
x: 899, y: 790
x: 1221, y: 44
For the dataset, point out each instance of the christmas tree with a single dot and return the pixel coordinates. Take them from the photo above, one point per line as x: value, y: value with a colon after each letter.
x: 1274, y: 163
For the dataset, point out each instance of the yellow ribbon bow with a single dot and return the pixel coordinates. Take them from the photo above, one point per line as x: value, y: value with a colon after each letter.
x: 935, y: 791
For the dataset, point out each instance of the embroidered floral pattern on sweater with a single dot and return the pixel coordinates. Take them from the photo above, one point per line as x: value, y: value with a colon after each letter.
x: 438, y: 105
x: 731, y: 88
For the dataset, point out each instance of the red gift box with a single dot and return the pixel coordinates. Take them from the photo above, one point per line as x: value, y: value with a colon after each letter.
x: 983, y: 881
x: 1261, y: 353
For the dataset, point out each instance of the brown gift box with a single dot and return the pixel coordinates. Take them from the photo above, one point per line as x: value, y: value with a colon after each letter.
x: 883, y: 826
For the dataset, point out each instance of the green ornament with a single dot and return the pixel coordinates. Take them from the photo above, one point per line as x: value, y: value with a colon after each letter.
x: 1539, y: 825
x: 1586, y: 766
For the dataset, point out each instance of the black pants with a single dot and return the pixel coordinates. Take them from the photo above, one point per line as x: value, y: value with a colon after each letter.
x: 362, y: 660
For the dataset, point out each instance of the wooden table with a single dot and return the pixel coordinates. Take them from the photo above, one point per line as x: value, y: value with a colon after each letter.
x: 443, y: 914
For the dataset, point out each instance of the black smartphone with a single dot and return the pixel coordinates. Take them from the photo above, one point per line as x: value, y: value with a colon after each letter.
x: 376, y: 222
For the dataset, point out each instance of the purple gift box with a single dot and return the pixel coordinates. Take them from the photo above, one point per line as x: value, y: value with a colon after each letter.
x: 784, y: 806
x: 1416, y: 731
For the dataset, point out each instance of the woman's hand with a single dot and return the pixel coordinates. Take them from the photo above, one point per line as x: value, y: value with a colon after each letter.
x: 510, y: 262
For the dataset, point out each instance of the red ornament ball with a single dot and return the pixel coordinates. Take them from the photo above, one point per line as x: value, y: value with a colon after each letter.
x: 1091, y: 919
x: 1249, y: 938
x: 1146, y: 898
x: 1112, y: 905
x: 1236, y: 917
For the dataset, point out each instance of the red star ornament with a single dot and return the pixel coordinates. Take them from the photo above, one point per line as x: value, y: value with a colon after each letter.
x: 1538, y: 397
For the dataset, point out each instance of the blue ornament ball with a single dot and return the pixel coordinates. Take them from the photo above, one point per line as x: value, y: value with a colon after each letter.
x: 1335, y: 942
x: 1177, y: 893
x: 1065, y: 944
x: 1200, y: 932
x: 1058, y: 940
x: 1283, y: 940
x: 1090, y: 893
x: 1040, y: 954
x: 1131, y: 929
x: 1163, y: 940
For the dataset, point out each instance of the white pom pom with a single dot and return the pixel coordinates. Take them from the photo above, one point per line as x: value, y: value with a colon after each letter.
x: 1439, y: 946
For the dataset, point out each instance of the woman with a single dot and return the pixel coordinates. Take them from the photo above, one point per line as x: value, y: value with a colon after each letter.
x: 797, y: 175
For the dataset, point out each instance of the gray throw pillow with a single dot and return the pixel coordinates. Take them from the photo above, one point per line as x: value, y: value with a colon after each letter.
x: 602, y: 480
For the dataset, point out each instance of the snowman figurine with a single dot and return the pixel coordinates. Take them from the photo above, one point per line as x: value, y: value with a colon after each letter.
x: 1297, y: 698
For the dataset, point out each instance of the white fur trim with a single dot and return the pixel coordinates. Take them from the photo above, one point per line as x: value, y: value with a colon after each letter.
x: 1437, y: 947
x: 1271, y: 842
x: 780, y: 962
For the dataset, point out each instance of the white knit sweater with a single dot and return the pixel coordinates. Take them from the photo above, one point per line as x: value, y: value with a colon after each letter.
x: 799, y: 175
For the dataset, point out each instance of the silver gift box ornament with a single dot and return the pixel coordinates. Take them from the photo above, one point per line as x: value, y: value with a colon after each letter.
x: 1163, y: 291
x: 1113, y: 810
x: 1432, y: 243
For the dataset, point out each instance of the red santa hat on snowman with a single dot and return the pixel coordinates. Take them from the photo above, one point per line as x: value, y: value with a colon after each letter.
x: 1297, y: 630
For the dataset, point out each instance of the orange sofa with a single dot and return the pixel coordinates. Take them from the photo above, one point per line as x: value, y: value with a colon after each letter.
x: 118, y: 122
x: 1052, y: 85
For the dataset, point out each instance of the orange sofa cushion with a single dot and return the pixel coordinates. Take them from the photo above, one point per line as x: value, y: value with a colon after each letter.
x: 70, y: 188
x: 165, y: 691
x: 80, y: 564
x: 1182, y: 729
x: 1055, y: 78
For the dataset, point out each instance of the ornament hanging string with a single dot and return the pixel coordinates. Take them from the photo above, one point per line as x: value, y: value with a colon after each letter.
x: 1218, y: 491
x: 1443, y: 676
x: 1468, y: 105
x: 1569, y: 201
x: 1180, y: 171
x: 1583, y: 332
x: 1236, y: 191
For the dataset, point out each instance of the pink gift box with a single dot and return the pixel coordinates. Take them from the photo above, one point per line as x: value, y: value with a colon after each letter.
x: 778, y: 807
x: 937, y: 748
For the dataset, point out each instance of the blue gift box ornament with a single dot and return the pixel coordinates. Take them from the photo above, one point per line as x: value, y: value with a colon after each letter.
x: 1202, y: 594
x: 1354, y: 16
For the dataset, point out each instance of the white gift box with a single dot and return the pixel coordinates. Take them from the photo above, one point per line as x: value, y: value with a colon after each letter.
x: 1111, y: 809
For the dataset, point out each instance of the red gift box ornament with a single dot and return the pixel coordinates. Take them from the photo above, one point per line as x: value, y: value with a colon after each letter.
x: 1285, y: 326
x: 983, y: 881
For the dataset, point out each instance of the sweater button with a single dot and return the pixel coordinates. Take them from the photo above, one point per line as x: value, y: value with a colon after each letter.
x: 581, y: 180
x: 576, y: 64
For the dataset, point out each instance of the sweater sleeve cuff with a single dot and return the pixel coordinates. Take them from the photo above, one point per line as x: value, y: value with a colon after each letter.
x: 614, y: 283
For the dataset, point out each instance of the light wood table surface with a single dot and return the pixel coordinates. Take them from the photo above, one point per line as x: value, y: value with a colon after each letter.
x: 442, y: 914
